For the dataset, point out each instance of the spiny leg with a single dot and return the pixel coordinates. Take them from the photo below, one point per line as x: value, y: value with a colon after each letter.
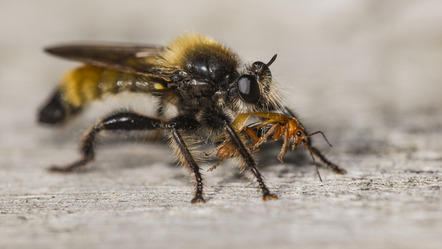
x: 131, y: 121
x: 189, y: 161
x: 121, y: 121
x: 250, y: 162
x: 87, y: 152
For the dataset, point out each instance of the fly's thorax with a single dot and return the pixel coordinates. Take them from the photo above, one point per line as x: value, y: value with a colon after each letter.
x: 205, y: 79
x: 195, y: 93
x: 202, y: 71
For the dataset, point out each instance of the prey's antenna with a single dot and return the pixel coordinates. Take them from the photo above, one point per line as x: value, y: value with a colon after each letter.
x: 322, y: 133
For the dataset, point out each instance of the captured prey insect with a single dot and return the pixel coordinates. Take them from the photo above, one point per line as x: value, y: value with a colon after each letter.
x: 275, y: 126
x: 202, y: 80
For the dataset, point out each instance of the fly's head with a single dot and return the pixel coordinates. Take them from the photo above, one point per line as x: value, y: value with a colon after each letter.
x: 254, y: 89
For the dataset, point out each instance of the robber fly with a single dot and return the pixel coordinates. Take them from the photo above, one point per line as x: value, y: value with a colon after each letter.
x: 198, y: 77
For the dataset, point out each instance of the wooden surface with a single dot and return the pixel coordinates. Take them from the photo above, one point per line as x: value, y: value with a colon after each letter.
x: 367, y: 74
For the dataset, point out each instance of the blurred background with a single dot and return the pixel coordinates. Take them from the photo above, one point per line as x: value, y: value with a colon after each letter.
x: 337, y: 57
x: 367, y: 73
x: 354, y: 69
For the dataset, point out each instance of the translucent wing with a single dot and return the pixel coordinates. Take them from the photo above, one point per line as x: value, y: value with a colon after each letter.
x: 131, y: 58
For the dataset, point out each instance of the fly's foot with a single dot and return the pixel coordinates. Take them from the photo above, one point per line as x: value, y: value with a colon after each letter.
x: 198, y: 199
x: 60, y: 169
x: 76, y: 166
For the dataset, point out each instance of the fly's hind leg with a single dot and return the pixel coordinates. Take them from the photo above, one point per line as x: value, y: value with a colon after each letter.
x: 126, y: 121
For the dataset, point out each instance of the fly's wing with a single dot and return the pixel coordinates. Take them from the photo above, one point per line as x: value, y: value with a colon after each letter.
x: 130, y: 58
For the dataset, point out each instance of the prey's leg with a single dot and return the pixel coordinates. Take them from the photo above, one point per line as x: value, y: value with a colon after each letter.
x: 334, y: 167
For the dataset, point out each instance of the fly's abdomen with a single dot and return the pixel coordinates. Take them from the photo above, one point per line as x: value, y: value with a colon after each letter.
x: 83, y: 85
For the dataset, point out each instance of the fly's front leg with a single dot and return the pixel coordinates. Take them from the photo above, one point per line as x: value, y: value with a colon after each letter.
x: 126, y: 121
x: 250, y: 162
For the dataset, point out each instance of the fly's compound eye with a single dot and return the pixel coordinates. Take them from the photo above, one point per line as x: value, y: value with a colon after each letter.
x: 248, y: 89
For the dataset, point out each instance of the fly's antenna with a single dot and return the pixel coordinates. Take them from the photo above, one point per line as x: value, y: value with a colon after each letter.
x: 272, y: 60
